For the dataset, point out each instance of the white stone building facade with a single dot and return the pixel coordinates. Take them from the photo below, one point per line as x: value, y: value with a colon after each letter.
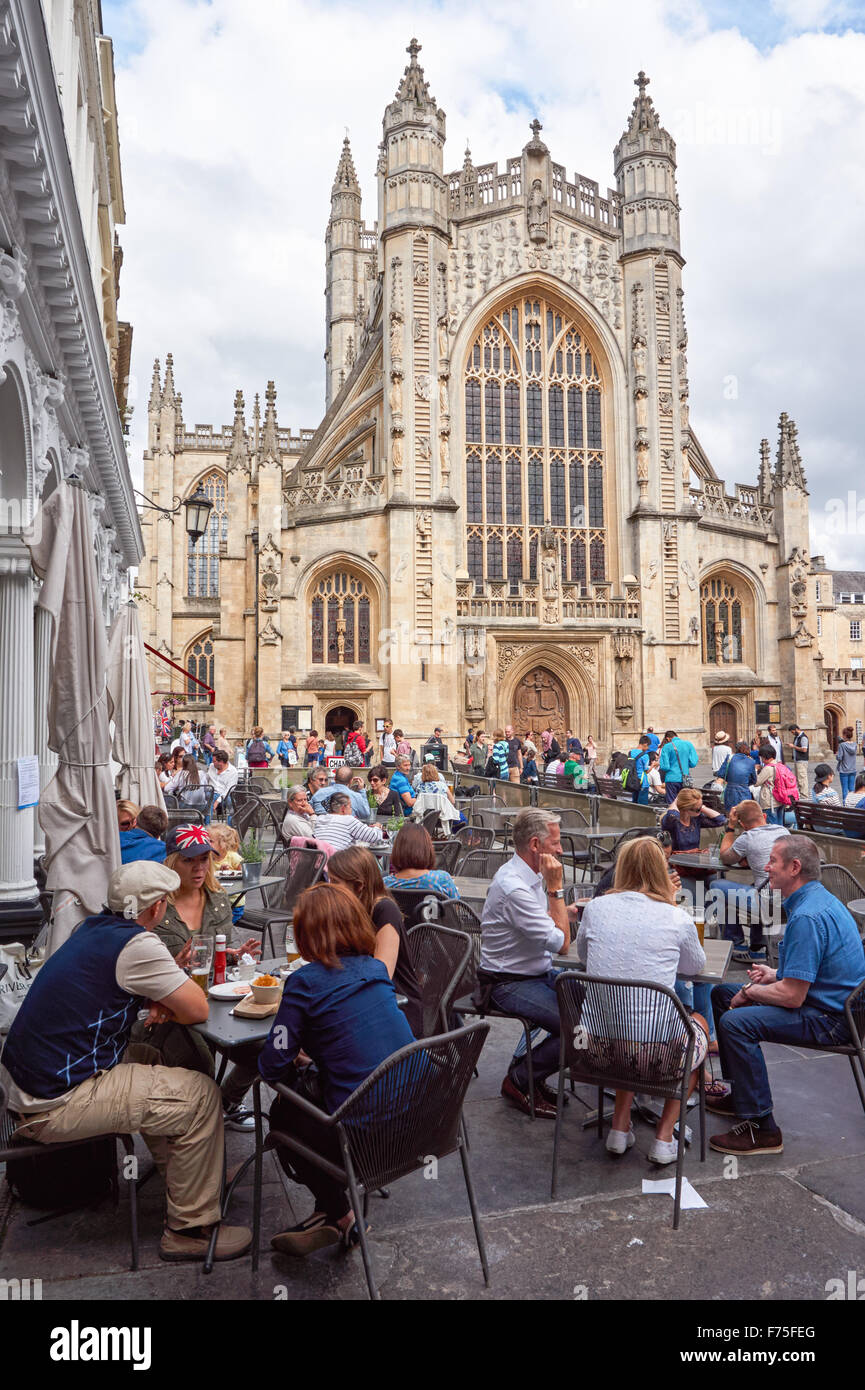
x: 63, y: 363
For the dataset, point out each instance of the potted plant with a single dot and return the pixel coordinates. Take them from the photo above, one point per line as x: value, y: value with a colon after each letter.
x: 250, y: 853
x: 395, y: 824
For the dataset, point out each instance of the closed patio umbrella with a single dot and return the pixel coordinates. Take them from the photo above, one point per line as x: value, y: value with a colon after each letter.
x: 77, y: 810
x: 129, y: 692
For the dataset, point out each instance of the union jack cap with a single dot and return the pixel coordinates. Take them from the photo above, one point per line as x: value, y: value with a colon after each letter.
x: 189, y: 840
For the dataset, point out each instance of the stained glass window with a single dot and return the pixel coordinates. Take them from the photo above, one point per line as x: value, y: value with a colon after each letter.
x: 532, y: 385
x: 202, y: 569
x: 199, y: 663
x: 340, y: 620
x: 721, y: 605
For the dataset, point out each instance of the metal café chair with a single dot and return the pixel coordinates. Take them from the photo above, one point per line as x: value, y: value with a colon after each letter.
x: 301, y: 868
x: 412, y: 903
x: 626, y: 1035
x: 439, y: 956
x: 484, y: 863
x: 183, y: 817
x: 410, y: 1107
x: 447, y: 854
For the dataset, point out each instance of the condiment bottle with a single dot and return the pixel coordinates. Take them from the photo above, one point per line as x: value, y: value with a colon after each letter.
x: 219, y: 961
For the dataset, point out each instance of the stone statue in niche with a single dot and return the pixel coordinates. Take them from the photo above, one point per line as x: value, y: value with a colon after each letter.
x: 396, y: 453
x: 444, y: 460
x: 421, y: 273
x: 693, y: 629
x: 550, y: 571
x: 444, y: 404
x: 443, y: 341
x: 396, y: 340
x: 624, y: 685
x: 395, y: 396
x: 474, y: 690
x: 422, y: 386
x: 538, y: 214
x: 718, y: 640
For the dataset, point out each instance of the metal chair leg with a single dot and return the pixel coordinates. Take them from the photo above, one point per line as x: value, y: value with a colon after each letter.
x: 129, y: 1146
x: 701, y: 1082
x: 559, y: 1110
x: 256, y: 1189
x: 530, y: 1066
x: 361, y: 1226
x: 857, y: 1078
x: 680, y: 1159
x: 479, y: 1235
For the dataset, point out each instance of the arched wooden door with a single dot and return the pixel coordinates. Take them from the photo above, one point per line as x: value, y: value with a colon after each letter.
x: 540, y: 702
x: 833, y: 732
x: 723, y: 718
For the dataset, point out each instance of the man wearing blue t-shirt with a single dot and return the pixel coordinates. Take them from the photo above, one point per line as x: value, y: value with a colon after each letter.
x: 820, y: 961
x: 678, y: 756
x: 400, y: 784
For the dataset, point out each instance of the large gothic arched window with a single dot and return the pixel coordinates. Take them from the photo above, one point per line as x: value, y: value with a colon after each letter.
x: 203, y: 555
x: 721, y: 605
x: 199, y: 663
x: 534, y: 446
x: 341, y: 619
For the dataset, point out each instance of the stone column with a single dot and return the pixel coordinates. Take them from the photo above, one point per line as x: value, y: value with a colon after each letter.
x: 47, y: 759
x: 17, y: 884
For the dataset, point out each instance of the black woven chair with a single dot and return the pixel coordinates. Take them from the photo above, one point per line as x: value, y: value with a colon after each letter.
x: 11, y: 1148
x: 840, y: 882
x: 484, y: 803
x: 854, y: 1009
x: 484, y: 863
x: 170, y: 801
x: 473, y: 837
x: 447, y: 855
x: 412, y: 903
x: 570, y: 817
x: 626, y: 1035
x: 185, y: 817
x: 410, y: 1107
x: 493, y: 820
x: 439, y: 956
x: 431, y: 822
x: 301, y: 868
x: 208, y: 794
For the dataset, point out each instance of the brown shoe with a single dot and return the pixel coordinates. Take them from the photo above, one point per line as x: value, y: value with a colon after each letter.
x: 719, y: 1105
x: 543, y: 1109
x: 231, y: 1243
x: 747, y: 1141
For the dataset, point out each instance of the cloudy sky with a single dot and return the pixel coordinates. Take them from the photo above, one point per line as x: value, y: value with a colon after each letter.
x: 232, y: 115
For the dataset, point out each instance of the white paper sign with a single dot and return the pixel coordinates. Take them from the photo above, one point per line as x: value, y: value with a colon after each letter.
x: 666, y: 1187
x: 28, y: 782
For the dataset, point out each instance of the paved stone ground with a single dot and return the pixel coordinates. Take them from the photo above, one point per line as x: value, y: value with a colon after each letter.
x: 781, y: 1230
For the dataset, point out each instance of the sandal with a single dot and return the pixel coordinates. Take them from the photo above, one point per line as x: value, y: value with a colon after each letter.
x: 715, y: 1090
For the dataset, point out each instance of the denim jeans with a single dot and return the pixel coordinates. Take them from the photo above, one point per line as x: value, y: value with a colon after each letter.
x: 736, y: 898
x: 671, y: 791
x: 535, y: 1000
x: 848, y: 783
x: 740, y: 1032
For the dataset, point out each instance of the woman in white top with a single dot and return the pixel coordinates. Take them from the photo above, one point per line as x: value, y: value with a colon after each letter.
x: 591, y: 751
x: 636, y: 932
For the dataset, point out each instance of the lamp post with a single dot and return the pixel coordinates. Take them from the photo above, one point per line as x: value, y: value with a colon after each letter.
x: 198, y: 508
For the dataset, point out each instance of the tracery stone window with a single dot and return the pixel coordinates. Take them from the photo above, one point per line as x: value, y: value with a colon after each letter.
x: 721, y: 603
x: 202, y: 580
x: 534, y: 446
x: 199, y: 663
x: 341, y: 619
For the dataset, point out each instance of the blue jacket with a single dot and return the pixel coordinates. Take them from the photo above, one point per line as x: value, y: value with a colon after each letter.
x: 740, y: 773
x: 137, y: 844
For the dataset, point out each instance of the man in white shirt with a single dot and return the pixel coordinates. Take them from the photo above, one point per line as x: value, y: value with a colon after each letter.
x: 524, y: 923
x: 747, y: 841
x: 299, y: 816
x: 222, y: 777
x: 339, y: 828
x: 388, y: 745
x: 773, y: 737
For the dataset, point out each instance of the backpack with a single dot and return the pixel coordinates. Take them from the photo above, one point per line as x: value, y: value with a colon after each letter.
x: 64, y: 1181
x: 352, y: 753
x: 630, y: 774
x: 785, y: 788
x: 256, y: 752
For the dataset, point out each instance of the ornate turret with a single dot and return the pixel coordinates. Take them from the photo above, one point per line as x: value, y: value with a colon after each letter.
x: 645, y: 161
x: 414, y: 191
x: 788, y: 464
x: 168, y: 395
x: 269, y: 450
x: 344, y: 268
x: 765, y: 482
x: 238, y: 454
x: 155, y: 388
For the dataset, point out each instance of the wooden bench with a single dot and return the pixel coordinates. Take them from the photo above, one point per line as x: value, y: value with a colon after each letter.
x: 611, y: 788
x: 811, y: 815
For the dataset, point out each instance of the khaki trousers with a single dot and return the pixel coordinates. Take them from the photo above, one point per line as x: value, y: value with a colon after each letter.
x: 513, y: 774
x: 802, y: 779
x: 178, y: 1113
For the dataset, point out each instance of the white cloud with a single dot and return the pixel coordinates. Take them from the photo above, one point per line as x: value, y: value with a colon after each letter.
x: 232, y: 117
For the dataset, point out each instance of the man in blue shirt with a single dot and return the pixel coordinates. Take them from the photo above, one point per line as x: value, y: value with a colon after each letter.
x: 640, y: 789
x: 820, y: 961
x: 400, y: 783
x: 360, y: 806
x: 678, y: 756
x: 654, y: 741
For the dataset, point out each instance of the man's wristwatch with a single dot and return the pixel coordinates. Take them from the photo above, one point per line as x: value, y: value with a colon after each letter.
x: 556, y: 893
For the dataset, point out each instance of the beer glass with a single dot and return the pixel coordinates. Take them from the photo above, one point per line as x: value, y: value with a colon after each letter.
x: 201, y: 962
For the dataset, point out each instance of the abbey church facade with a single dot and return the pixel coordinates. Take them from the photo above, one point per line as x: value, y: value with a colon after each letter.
x: 505, y: 514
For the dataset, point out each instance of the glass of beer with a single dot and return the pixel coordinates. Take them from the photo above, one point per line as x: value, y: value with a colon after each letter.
x: 291, y: 952
x: 201, y: 962
x: 700, y: 924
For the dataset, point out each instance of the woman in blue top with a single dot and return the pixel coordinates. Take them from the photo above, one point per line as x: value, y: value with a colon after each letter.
x: 687, y: 818
x: 413, y: 864
x: 739, y: 773
x: 845, y: 754
x: 341, y: 1010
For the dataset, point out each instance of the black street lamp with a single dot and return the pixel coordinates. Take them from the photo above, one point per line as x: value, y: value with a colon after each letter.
x: 198, y: 508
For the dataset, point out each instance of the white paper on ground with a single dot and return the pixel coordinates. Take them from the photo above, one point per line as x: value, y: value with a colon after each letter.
x: 666, y: 1187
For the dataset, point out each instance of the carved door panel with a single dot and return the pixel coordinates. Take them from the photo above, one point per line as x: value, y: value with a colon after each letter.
x: 540, y: 700
x: 722, y: 716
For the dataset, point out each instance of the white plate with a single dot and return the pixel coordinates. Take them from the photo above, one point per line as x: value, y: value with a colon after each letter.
x: 232, y: 989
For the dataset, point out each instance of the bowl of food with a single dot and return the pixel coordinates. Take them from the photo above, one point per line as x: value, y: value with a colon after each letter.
x: 266, y: 989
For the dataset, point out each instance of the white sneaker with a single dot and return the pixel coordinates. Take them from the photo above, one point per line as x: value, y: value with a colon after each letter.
x: 662, y: 1152
x: 618, y: 1140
